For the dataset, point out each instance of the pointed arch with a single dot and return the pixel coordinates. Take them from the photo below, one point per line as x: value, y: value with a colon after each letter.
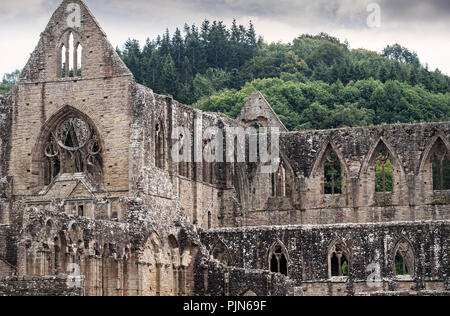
x: 383, y: 173
x: 403, y: 258
x: 282, y: 181
x: 68, y: 141
x: 62, y: 61
x: 155, y: 242
x: 72, y: 50
x: 69, y: 55
x: 435, y: 164
x: 372, y: 156
x: 50, y: 227
x: 75, y: 233
x: 78, y: 60
x: 221, y: 253
x: 338, y: 260
x: 330, y: 165
x: 278, y: 258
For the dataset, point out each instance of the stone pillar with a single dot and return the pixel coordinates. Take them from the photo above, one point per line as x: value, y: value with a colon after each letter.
x: 411, y: 180
x: 300, y: 198
x: 354, y: 187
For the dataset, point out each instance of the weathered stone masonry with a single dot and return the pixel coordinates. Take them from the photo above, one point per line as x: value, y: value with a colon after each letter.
x: 308, y: 247
x: 89, y: 188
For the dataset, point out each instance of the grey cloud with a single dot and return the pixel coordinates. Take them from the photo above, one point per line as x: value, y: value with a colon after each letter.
x: 279, y: 20
x: 298, y: 13
x: 340, y: 12
x: 419, y: 10
x: 25, y: 7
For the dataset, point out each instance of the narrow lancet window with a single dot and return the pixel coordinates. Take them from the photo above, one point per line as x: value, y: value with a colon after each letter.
x: 78, y: 55
x: 441, y: 167
x: 332, y: 175
x: 63, y: 61
x: 72, y: 60
x: 383, y: 173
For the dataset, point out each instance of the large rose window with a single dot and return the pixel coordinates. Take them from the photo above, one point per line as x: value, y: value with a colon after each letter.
x: 73, y: 146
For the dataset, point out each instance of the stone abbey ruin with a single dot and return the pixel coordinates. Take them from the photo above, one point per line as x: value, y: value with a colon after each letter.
x: 92, y: 203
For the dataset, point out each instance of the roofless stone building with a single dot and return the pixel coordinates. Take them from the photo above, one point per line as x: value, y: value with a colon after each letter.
x: 93, y: 203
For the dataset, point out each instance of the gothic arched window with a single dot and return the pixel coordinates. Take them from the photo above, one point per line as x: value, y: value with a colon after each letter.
x: 278, y: 259
x: 70, y: 59
x: 62, y: 67
x: 332, y: 177
x: 72, y: 146
x: 383, y: 172
x: 338, y: 261
x: 281, y: 182
x: 78, y: 55
x: 403, y: 259
x: 221, y: 254
x: 440, y: 159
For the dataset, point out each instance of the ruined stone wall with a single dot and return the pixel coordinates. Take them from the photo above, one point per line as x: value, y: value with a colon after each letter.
x: 200, y: 187
x: 104, y: 101
x: 368, y: 247
x: 100, y: 93
x: 217, y: 280
x: 7, y: 258
x: 240, y: 195
x: 6, y: 106
x: 148, y: 255
x: 410, y: 149
x: 134, y: 231
x: 38, y: 286
x: 224, y: 194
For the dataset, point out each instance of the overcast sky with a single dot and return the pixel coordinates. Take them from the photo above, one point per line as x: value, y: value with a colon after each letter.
x: 421, y: 25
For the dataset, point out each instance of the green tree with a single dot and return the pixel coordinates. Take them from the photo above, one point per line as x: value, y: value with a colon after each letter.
x: 8, y: 81
x: 169, y: 77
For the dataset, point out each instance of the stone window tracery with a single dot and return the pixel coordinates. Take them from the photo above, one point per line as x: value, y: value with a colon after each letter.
x: 70, y: 59
x: 220, y: 253
x: 403, y: 259
x: 332, y: 183
x: 73, y: 146
x: 278, y: 260
x: 338, y: 261
x: 383, y: 172
x: 281, y: 182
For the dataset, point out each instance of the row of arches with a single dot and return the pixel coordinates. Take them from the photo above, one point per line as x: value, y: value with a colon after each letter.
x: 382, y: 168
x: 158, y: 267
x: 161, y: 155
x: 338, y: 258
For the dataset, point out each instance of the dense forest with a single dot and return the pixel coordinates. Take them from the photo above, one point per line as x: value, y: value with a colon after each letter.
x: 315, y: 82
